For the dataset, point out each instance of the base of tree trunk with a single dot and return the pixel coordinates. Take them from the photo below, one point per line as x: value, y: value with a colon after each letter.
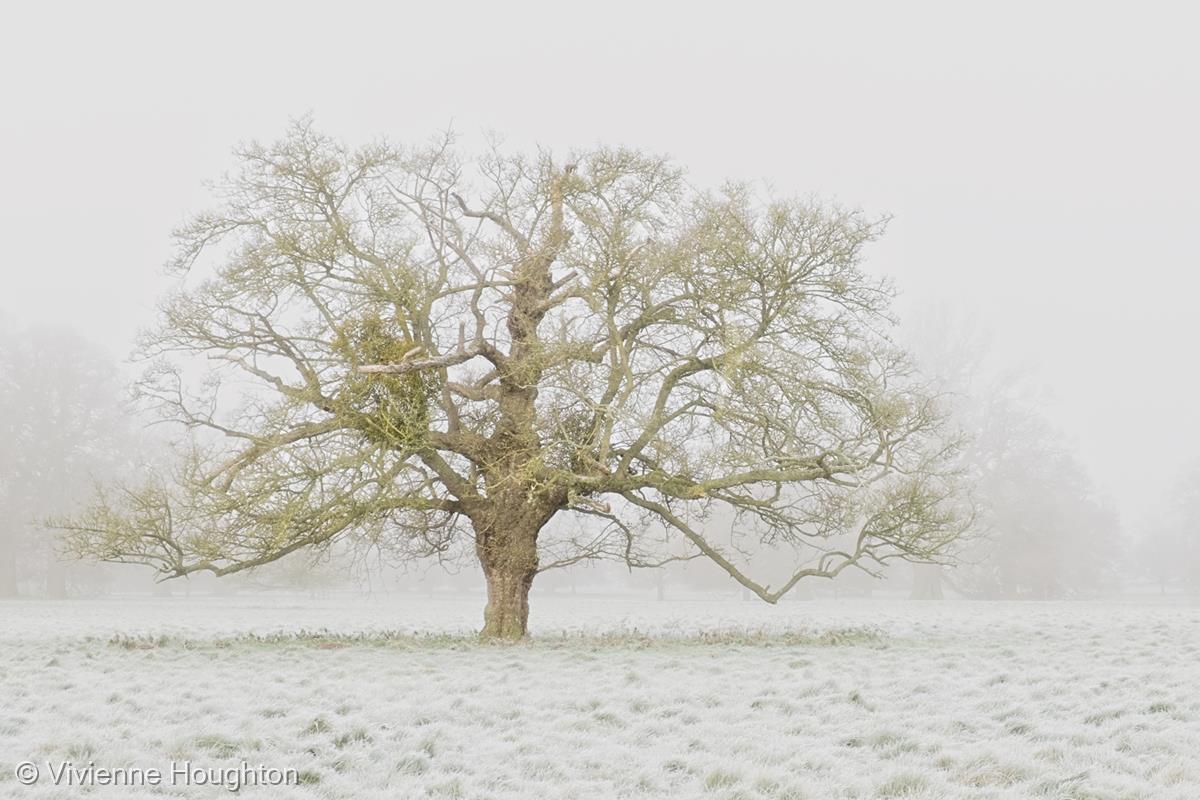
x: 507, y: 613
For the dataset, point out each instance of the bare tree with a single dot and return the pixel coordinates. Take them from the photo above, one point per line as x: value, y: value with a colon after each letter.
x: 1042, y: 529
x: 1169, y: 549
x: 423, y: 352
x: 60, y: 427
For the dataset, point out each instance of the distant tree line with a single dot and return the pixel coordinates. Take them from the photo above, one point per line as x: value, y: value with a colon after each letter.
x: 63, y: 427
x: 1041, y: 529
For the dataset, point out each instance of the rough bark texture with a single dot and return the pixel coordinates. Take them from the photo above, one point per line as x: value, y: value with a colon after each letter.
x: 507, y: 550
x: 506, y: 615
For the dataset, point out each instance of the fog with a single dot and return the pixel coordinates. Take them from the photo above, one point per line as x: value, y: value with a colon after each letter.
x: 1039, y: 162
x: 1038, y: 167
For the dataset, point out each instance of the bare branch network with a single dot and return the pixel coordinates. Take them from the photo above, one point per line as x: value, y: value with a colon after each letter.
x: 578, y: 360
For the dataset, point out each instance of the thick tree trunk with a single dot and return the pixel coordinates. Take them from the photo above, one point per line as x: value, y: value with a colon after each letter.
x: 508, y: 555
x: 506, y: 615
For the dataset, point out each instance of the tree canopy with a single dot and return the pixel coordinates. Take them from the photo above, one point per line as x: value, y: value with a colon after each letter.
x: 421, y: 350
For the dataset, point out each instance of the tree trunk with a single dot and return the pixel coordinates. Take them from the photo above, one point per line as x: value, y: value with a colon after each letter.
x: 508, y: 555
x: 506, y: 615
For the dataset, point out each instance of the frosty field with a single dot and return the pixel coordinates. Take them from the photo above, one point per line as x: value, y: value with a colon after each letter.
x: 613, y: 698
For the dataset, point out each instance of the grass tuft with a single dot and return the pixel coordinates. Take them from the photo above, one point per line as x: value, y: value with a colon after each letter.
x: 330, y: 640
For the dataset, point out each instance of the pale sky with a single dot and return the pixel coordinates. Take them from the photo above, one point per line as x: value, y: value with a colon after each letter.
x: 1039, y: 159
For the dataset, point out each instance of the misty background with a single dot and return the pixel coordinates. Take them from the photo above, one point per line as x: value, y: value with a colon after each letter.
x: 1039, y: 163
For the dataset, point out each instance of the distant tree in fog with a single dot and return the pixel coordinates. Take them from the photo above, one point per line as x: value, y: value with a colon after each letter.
x: 1041, y: 529
x: 1187, y: 505
x: 1162, y: 555
x: 61, y: 422
x: 1047, y: 533
x: 432, y: 353
x: 1169, y: 552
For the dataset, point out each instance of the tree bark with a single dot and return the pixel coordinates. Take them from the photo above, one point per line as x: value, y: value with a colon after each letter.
x: 506, y: 615
x: 506, y: 528
x: 508, y: 555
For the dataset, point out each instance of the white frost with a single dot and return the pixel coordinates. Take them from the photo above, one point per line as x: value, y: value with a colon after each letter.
x: 959, y: 700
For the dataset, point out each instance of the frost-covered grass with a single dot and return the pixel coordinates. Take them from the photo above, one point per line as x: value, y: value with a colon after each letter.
x: 392, y: 698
